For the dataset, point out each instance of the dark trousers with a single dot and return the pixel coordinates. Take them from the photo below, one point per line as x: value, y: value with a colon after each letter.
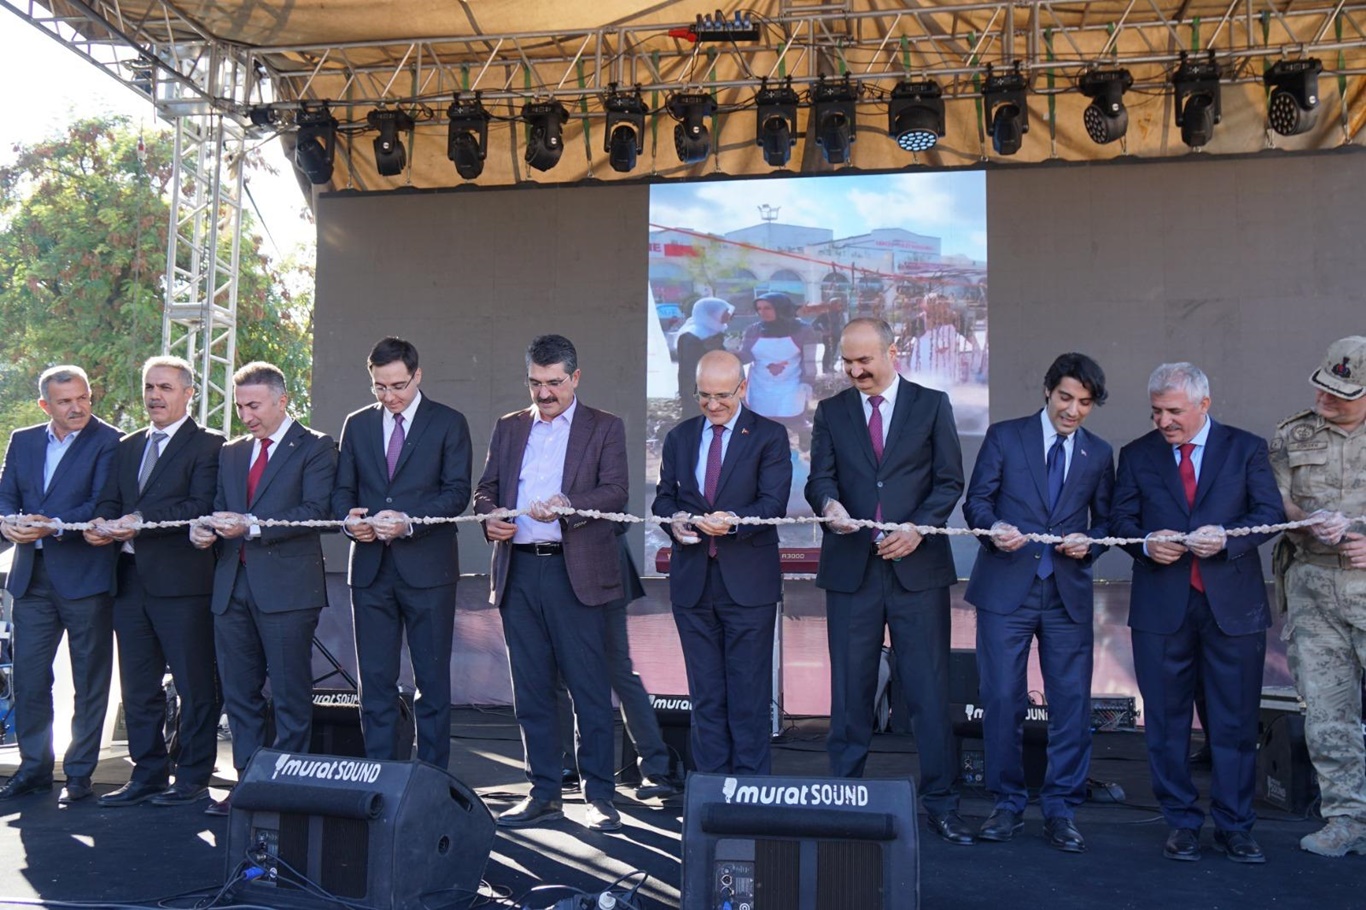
x: 254, y: 646
x: 153, y: 632
x: 1230, y: 672
x: 728, y: 654
x: 637, y: 713
x: 1065, y: 657
x: 384, y: 613
x: 40, y: 618
x: 919, y: 624
x: 550, y: 634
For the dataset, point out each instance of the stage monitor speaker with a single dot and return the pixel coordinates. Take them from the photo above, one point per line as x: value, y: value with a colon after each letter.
x: 387, y: 835
x: 790, y: 843
x: 674, y: 714
x: 1285, y: 775
x: 336, y: 726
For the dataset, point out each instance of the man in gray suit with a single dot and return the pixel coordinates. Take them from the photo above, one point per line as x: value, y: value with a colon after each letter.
x: 268, y: 588
x: 404, y: 457
x: 552, y: 575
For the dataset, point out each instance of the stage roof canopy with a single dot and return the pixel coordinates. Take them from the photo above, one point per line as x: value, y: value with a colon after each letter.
x: 408, y: 59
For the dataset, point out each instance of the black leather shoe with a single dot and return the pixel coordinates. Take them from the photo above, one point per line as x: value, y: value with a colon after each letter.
x: 531, y: 811
x: 603, y: 816
x: 219, y: 808
x: 1062, y: 834
x: 1238, y: 846
x: 952, y: 828
x: 179, y: 794
x: 657, y: 787
x: 1201, y: 757
x: 130, y: 794
x: 77, y: 788
x: 23, y: 785
x: 1000, y: 826
x: 1183, y: 845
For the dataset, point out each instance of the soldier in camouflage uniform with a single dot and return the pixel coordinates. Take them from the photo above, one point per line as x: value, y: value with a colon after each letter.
x: 1319, y: 457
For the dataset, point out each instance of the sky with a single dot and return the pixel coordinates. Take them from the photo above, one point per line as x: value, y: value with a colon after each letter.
x: 944, y: 204
x: 60, y: 86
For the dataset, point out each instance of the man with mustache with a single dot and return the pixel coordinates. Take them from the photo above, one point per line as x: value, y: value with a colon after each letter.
x: 552, y: 575
x: 166, y: 472
x: 268, y: 587
x: 1198, y: 610
x: 60, y: 584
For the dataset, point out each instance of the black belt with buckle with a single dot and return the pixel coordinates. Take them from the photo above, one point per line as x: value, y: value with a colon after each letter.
x: 544, y: 548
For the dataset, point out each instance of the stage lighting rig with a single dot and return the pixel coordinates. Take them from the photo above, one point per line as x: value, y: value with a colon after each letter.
x: 1106, y: 118
x: 692, y: 140
x: 1198, y: 107
x: 315, y: 143
x: 740, y: 27
x: 545, y: 139
x: 915, y: 115
x: 390, y: 155
x: 1293, y: 107
x: 467, y: 141
x: 625, y: 138
x: 1006, y: 109
x: 776, y: 127
x: 833, y: 118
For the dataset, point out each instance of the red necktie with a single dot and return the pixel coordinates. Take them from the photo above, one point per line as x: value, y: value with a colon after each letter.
x: 875, y: 436
x: 258, y: 468
x: 1188, y: 481
x: 713, y: 476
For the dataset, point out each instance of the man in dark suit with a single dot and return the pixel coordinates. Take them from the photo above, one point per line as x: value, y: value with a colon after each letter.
x: 60, y: 584
x: 887, y: 450
x: 404, y: 457
x: 552, y: 574
x: 1041, y: 474
x: 167, y: 472
x: 725, y: 579
x: 1198, y: 601
x: 269, y: 587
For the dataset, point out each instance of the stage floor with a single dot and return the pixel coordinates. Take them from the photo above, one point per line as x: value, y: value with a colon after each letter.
x: 142, y: 854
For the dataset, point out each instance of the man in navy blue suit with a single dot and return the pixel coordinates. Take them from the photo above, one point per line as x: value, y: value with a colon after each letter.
x: 1198, y: 608
x: 887, y: 450
x: 404, y: 457
x: 725, y: 579
x: 1039, y: 474
x: 60, y: 584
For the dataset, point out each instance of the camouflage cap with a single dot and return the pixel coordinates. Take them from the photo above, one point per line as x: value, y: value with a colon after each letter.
x: 1344, y: 369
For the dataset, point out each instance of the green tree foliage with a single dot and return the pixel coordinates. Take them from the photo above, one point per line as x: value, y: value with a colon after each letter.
x: 83, y: 227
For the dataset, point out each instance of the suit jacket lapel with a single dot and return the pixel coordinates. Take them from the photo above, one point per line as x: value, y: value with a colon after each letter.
x: 288, y: 446
x: 63, y: 466
x: 511, y: 468
x: 858, y: 428
x: 691, y: 440
x: 423, y: 420
x: 1216, y: 451
x: 173, y: 446
x: 739, y: 443
x: 1167, y: 467
x: 892, y: 430
x: 1081, y: 461
x: 372, y: 426
x: 579, y: 431
x: 1031, y: 441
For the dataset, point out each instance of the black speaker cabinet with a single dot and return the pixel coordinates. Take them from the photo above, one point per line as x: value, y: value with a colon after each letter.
x: 383, y: 834
x: 789, y: 843
x: 674, y: 714
x: 336, y: 726
x: 1285, y: 775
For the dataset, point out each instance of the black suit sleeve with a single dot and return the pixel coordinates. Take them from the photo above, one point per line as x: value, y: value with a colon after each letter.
x: 456, y: 467
x: 666, y: 491
x: 946, y: 485
x: 1126, y: 509
x: 774, y: 487
x: 821, y: 484
x: 346, y: 493
x: 199, y: 498
x: 110, y: 504
x: 315, y: 491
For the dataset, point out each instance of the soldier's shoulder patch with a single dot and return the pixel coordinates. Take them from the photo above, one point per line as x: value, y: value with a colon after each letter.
x: 1277, y: 442
x: 1300, y: 415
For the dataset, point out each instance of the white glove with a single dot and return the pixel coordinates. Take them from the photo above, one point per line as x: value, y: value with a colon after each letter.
x: 840, y: 522
x: 683, y: 531
x: 1330, y: 528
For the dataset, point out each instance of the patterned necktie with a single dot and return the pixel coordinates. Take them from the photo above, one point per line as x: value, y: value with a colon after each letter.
x: 149, y: 459
x: 258, y: 468
x: 395, y: 445
x: 1057, y: 472
x: 1187, y: 469
x: 875, y: 436
x: 713, y: 476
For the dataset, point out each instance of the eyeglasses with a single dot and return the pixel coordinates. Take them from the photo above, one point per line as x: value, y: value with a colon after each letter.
x: 397, y: 387
x: 718, y: 397
x: 536, y: 385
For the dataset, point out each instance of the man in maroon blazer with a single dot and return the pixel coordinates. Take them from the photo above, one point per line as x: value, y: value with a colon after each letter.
x: 551, y: 574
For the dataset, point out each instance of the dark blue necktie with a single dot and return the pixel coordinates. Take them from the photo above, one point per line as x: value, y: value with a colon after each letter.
x: 1057, y: 470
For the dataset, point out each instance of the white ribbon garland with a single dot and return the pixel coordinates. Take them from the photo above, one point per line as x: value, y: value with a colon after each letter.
x: 507, y: 514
